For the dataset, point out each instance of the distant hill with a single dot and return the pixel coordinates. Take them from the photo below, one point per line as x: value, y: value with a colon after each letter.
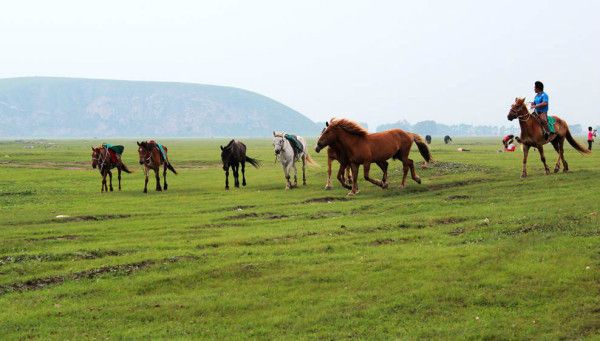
x: 70, y: 107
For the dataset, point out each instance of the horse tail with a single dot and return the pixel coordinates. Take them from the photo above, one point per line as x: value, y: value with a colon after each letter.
x: 254, y: 162
x: 125, y: 169
x: 170, y: 167
x: 310, y: 160
x: 574, y: 143
x: 423, y: 148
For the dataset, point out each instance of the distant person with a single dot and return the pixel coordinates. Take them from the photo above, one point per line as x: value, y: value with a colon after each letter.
x: 428, y: 139
x: 540, y: 106
x: 508, y: 142
x: 590, y: 137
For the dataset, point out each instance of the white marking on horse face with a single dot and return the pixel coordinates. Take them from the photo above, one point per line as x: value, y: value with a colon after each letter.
x: 278, y: 144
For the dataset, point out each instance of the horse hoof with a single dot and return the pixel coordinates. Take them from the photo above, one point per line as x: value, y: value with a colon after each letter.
x: 418, y: 180
x: 385, y: 185
x: 244, y: 184
x: 227, y: 188
x: 556, y: 170
x: 328, y: 188
x: 523, y: 176
x: 350, y: 194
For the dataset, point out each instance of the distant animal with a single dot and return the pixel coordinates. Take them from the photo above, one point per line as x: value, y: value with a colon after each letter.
x: 289, y: 149
x: 532, y: 135
x: 106, y: 158
x: 428, y: 139
x: 232, y: 155
x: 152, y: 156
x: 364, y: 148
x: 447, y: 139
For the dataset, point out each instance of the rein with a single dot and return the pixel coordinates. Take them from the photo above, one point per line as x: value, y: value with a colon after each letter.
x: 103, y: 161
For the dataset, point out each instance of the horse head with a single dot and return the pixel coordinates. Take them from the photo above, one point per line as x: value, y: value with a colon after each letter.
x: 278, y: 143
x: 328, y: 135
x: 144, y: 152
x: 95, y: 157
x: 517, y: 108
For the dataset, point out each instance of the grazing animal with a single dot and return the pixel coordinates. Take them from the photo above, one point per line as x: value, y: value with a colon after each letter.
x: 428, y: 139
x: 363, y: 148
x: 105, y: 160
x: 532, y: 135
x: 232, y: 155
x: 447, y: 139
x: 288, y: 155
x: 151, y: 157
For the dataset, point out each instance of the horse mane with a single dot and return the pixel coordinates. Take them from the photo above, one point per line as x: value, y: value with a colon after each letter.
x: 349, y: 126
x: 229, y: 145
x: 529, y: 110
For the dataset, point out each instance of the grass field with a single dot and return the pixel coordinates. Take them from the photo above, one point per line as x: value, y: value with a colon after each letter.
x: 474, y: 252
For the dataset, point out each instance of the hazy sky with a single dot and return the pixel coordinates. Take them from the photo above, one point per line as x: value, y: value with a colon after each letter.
x: 375, y: 61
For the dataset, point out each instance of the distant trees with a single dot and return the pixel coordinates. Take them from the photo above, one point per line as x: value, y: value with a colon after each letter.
x: 433, y: 128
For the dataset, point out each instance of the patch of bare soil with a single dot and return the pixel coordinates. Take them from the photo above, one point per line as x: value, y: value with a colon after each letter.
x: 325, y: 199
x: 118, y: 270
x: 457, y: 197
x: 61, y: 237
x: 92, y: 217
x: 93, y: 254
x: 459, y: 183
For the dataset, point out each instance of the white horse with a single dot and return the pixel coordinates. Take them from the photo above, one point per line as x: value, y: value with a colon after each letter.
x: 285, y: 153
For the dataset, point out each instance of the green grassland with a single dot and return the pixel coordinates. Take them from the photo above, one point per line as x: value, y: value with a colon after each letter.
x: 474, y: 252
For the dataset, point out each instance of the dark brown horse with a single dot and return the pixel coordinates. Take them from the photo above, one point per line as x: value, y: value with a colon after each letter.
x: 104, y: 160
x: 533, y: 136
x: 232, y: 155
x: 152, y: 158
x: 363, y: 148
x: 343, y: 175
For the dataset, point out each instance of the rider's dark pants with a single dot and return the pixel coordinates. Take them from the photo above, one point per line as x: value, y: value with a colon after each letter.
x: 590, y: 145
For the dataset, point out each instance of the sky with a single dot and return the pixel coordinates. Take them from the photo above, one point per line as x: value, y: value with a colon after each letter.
x: 373, y: 61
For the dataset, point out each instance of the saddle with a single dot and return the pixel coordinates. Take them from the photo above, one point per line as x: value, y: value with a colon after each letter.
x: 114, y: 151
x: 163, y: 150
x: 296, y: 144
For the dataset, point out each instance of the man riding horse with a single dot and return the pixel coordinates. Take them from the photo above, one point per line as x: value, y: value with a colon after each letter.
x: 540, y: 107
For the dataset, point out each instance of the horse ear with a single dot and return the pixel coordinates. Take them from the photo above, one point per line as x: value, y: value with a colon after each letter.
x: 138, y: 143
x: 326, y: 124
x: 516, y: 99
x: 221, y: 147
x: 274, y: 133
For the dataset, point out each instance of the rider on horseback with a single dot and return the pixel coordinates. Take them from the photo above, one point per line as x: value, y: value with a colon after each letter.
x: 540, y: 106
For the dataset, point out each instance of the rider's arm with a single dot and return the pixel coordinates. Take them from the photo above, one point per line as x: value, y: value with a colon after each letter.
x: 541, y: 105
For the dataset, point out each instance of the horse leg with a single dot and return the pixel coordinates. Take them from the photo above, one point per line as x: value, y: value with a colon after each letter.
x: 366, y: 169
x: 384, y: 168
x: 165, y: 186
x: 413, y: 173
x: 146, y: 179
x: 103, y: 182
x: 405, y: 169
x: 157, y: 176
x: 348, y: 175
x: 562, y: 156
x: 556, y: 145
x: 525, y: 154
x: 354, y: 167
x: 286, y: 170
x: 243, y: 173
x: 110, y: 180
x: 543, y: 158
x: 227, y: 178
x: 119, y: 176
x: 340, y: 176
x: 304, y: 170
x: 236, y: 175
x: 295, y: 174
x: 328, y: 183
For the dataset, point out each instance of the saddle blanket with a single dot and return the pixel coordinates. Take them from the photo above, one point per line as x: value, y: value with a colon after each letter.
x: 296, y: 145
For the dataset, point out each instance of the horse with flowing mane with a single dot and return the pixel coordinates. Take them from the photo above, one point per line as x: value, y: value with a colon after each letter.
x: 232, y: 155
x: 364, y: 148
x: 532, y: 135
x: 288, y: 154
x: 106, y: 160
x: 152, y: 156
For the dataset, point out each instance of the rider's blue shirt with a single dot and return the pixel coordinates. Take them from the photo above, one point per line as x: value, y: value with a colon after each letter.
x: 541, y: 98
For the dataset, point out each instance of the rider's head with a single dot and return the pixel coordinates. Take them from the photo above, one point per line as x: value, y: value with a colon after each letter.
x: 539, y: 87
x: 590, y: 128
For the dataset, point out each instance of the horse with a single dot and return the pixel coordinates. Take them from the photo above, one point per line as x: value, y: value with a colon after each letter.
x: 364, y: 148
x: 101, y: 158
x: 284, y: 151
x: 343, y: 175
x: 152, y: 158
x: 447, y: 139
x: 532, y: 135
x: 232, y: 155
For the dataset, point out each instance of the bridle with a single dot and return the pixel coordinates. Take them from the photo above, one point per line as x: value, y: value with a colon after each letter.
x: 147, y: 160
x: 522, y: 118
x: 101, y: 162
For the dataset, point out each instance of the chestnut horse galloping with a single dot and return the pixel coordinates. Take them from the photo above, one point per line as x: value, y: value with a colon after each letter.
x: 533, y: 136
x: 151, y: 157
x: 363, y: 148
x: 101, y: 158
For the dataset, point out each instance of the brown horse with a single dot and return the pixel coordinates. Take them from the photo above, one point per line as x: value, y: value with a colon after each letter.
x: 152, y: 158
x: 533, y: 136
x: 102, y: 158
x: 343, y: 175
x: 363, y: 148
